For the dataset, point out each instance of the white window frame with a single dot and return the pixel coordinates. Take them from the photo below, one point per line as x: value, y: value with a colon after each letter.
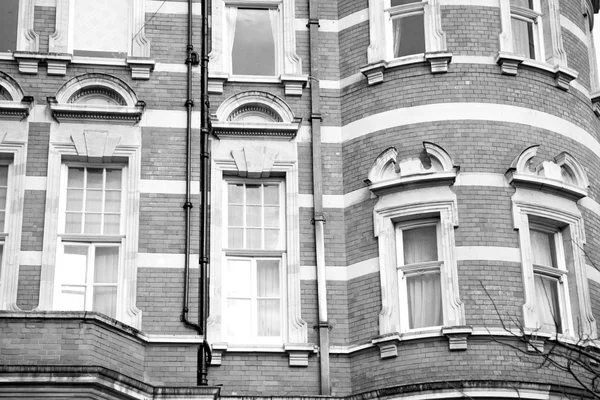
x: 288, y: 63
x: 253, y: 255
x: 534, y: 17
x: 405, y: 271
x: 7, y: 211
x: 234, y: 158
x: 380, y: 51
x: 277, y: 35
x: 564, y: 214
x: 558, y: 274
x: 394, y: 208
x: 122, y: 147
x: 91, y: 240
x: 405, y: 10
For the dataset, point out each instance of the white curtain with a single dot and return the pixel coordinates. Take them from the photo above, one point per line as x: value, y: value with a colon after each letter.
x: 419, y: 245
x: 522, y: 38
x: 542, y: 247
x: 105, y: 272
x: 424, y: 300
x: 269, y: 298
x: 397, y: 26
x: 231, y: 21
x: 546, y: 296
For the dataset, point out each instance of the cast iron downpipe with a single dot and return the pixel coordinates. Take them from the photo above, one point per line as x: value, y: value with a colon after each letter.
x: 319, y: 217
x: 191, y: 60
x: 204, y: 353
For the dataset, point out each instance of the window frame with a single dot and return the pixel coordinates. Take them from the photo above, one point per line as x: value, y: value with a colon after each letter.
x: 401, y: 11
x: 535, y: 17
x: 4, y: 234
x: 277, y: 35
x: 252, y: 254
x: 558, y: 274
x: 91, y: 240
x: 407, y: 270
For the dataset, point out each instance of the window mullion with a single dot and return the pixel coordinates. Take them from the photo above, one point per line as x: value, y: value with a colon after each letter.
x: 89, y: 281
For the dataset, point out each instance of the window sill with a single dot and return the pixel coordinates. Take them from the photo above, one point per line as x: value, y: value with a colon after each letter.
x: 438, y: 61
x: 297, y: 352
x: 510, y: 64
x: 457, y: 338
x: 293, y: 84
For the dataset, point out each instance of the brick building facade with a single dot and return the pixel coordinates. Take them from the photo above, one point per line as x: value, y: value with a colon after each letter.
x: 401, y: 191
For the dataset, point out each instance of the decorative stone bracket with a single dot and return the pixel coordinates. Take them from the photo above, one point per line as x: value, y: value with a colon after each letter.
x: 438, y: 62
x: 510, y: 64
x: 457, y: 336
x: 297, y: 353
x: 29, y: 61
x: 595, y: 98
x: 388, y: 345
x: 140, y: 67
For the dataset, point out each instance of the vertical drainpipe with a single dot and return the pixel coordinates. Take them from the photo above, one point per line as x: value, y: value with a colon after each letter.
x: 318, y: 218
x: 204, y: 352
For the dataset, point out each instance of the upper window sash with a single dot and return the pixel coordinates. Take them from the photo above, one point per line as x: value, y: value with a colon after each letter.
x: 405, y: 9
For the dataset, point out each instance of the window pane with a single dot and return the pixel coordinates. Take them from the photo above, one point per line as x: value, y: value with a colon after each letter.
x: 253, y: 51
x: 239, y: 317
x: 74, y: 200
x: 547, y: 305
x: 235, y: 193
x: 71, y: 298
x: 542, y: 246
x: 272, y: 216
x: 239, y: 273
x: 3, y: 175
x: 409, y: 35
x: 73, y: 265
x: 235, y: 238
x: 253, y: 194
x: 73, y: 223
x: 269, y: 317
x: 272, y: 240
x: 92, y: 223
x: 94, y: 178
x: 523, y: 42
x: 253, y: 216
x: 420, y: 245
x: 75, y: 179
x: 522, y: 3
x: 106, y: 264
x: 1, y: 255
x: 113, y: 178
x: 100, y: 28
x: 105, y: 300
x: 272, y: 194
x: 93, y: 200
x: 112, y: 224
x: 424, y: 300
x: 254, y: 238
x: 8, y: 25
x: 112, y: 201
x: 267, y: 272
x: 236, y: 216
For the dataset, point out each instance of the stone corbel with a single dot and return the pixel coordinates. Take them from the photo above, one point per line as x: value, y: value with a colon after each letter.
x: 509, y: 62
x: 218, y: 349
x: 564, y: 76
x: 140, y: 67
x: 374, y: 72
x: 28, y: 61
x: 535, y: 344
x: 439, y: 61
x: 388, y: 345
x: 57, y: 63
x: 298, y: 353
x: 216, y: 82
x: 294, y: 84
x: 457, y: 336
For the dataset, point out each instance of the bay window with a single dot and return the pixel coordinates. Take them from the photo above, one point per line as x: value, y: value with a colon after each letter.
x: 90, y: 239
x: 255, y: 256
x: 419, y: 274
